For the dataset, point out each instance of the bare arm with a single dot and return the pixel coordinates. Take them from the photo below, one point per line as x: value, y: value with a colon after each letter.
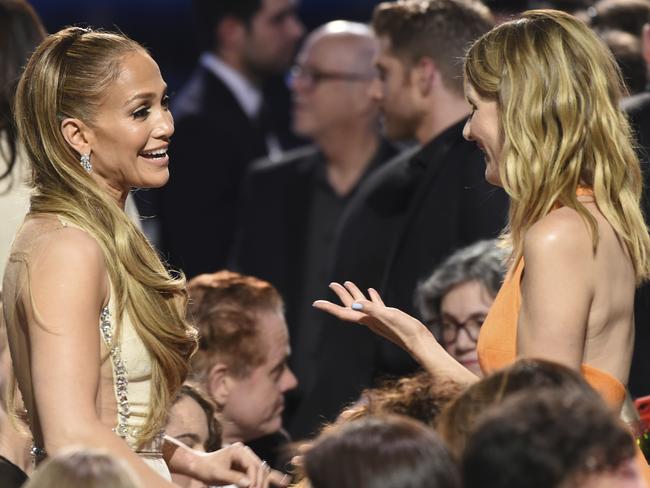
x: 69, y: 286
x: 398, y: 327
x: 556, y: 289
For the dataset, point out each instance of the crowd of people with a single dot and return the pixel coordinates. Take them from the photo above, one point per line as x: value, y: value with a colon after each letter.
x: 407, y: 253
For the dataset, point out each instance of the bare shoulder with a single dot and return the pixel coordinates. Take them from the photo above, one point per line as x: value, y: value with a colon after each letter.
x: 562, y: 233
x: 70, y: 262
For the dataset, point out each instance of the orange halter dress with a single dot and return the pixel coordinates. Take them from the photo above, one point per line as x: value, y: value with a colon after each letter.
x: 497, y: 346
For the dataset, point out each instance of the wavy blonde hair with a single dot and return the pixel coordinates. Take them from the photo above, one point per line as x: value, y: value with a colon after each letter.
x: 558, y: 88
x: 67, y: 77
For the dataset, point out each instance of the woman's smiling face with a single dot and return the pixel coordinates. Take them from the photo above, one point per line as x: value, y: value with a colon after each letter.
x: 482, y: 127
x: 130, y: 134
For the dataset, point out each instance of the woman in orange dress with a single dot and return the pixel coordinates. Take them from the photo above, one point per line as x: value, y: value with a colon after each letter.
x: 544, y: 93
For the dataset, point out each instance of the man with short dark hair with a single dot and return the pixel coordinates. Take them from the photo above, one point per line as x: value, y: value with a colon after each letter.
x: 417, y: 209
x: 224, y: 120
x: 242, y: 357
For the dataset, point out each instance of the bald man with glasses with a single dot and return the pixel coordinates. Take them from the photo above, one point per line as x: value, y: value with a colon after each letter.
x: 292, y: 207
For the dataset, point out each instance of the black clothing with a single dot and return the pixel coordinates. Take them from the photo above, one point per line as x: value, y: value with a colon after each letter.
x: 11, y: 476
x: 637, y: 108
x: 401, y: 224
x: 212, y: 146
x: 289, y: 218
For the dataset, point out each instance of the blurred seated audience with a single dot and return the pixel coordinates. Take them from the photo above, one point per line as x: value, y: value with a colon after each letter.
x: 242, y: 358
x: 550, y: 438
x: 83, y: 468
x: 192, y: 421
x: 420, y: 396
x: 456, y: 298
x: 380, y: 452
x: 224, y: 120
x: 292, y: 206
x: 458, y: 420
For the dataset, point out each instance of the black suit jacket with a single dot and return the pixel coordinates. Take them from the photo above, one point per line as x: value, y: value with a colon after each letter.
x: 272, y: 238
x: 402, y: 223
x: 638, y: 110
x: 211, y: 149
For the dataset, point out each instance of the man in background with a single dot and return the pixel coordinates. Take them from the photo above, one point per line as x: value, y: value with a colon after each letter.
x: 223, y: 122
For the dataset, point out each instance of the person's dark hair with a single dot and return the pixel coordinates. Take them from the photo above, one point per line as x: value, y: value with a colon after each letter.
x: 388, y: 452
x: 483, y: 261
x: 628, y: 53
x: 196, y: 393
x: 545, y: 439
x: 420, y: 396
x: 458, y: 420
x: 627, y: 15
x: 441, y: 30
x: 209, y: 13
x: 225, y: 307
x: 20, y: 32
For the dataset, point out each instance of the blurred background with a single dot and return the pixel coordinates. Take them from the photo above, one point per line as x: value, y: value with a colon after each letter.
x: 166, y: 26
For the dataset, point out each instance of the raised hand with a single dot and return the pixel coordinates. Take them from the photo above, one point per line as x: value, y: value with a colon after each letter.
x: 391, y: 323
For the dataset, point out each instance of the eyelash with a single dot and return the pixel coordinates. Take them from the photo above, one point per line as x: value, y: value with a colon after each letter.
x: 143, y: 112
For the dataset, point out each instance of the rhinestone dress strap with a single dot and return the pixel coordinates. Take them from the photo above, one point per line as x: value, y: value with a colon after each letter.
x: 119, y: 374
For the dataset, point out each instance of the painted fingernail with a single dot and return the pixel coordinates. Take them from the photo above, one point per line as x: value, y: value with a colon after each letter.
x: 357, y: 306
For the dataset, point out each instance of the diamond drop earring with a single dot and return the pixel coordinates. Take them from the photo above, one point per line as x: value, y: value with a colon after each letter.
x: 85, y: 162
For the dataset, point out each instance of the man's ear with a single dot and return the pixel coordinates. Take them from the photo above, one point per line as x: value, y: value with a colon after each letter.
x: 77, y: 135
x: 219, y: 384
x: 424, y: 75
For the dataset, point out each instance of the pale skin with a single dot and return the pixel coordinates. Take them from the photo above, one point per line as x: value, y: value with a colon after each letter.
x: 577, y: 306
x: 69, y: 287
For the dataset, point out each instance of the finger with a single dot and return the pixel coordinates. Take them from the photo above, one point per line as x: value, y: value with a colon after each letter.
x: 375, y: 297
x: 231, y: 477
x: 342, y: 293
x: 248, y: 460
x: 354, y: 291
x: 342, y: 313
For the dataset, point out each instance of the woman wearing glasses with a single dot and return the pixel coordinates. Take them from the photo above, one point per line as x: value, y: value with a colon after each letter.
x: 456, y: 298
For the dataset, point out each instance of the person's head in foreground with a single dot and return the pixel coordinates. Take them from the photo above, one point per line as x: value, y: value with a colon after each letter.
x: 243, y: 352
x: 380, y: 452
x: 544, y: 92
x: 456, y: 298
x: 421, y: 397
x: 192, y: 421
x: 92, y: 113
x: 458, y: 420
x: 550, y: 438
x: 87, y: 468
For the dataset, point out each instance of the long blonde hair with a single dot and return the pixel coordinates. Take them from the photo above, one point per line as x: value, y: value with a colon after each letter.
x: 558, y: 89
x: 66, y: 77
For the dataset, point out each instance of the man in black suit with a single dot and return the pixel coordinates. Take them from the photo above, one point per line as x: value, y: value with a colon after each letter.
x: 221, y: 126
x: 416, y: 209
x: 292, y: 207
